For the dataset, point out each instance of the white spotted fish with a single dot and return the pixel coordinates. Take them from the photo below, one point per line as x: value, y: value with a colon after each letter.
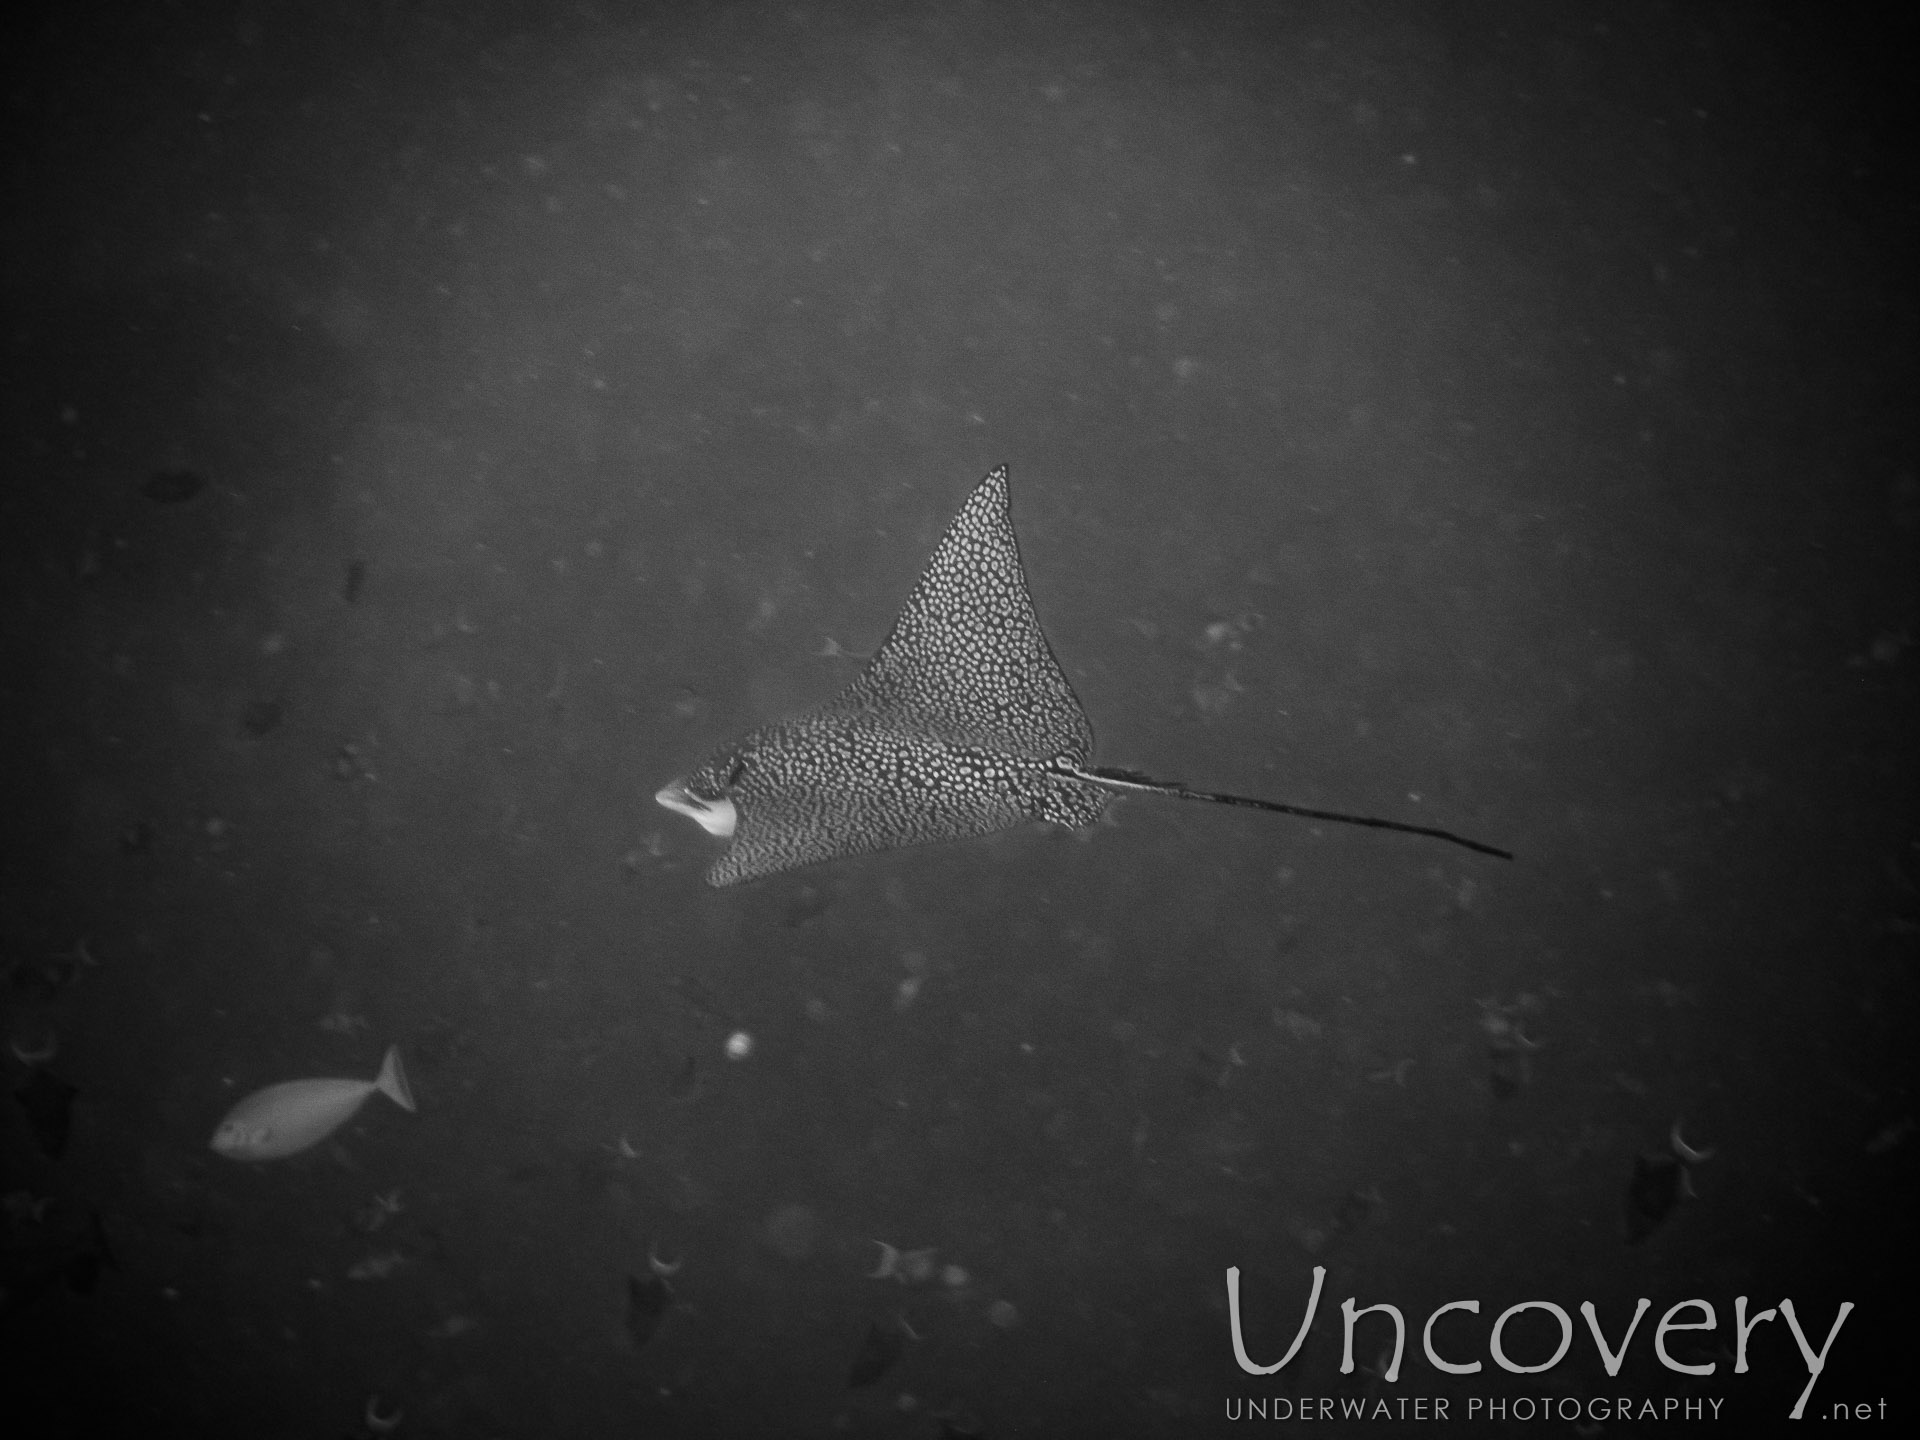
x: 295, y: 1115
x: 962, y: 724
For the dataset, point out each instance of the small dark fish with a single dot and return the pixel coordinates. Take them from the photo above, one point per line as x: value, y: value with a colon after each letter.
x: 170, y: 487
x: 882, y: 1346
x: 647, y: 1302
x: 439, y: 1041
x: 54, y: 1242
x: 1891, y: 1137
x: 1509, y: 1049
x: 356, y: 577
x: 42, y: 980
x: 1653, y: 1193
x: 92, y: 1253
x: 1506, y: 1073
x: 48, y: 1102
x: 261, y: 717
x: 1205, y: 1075
x: 685, y: 1084
x: 700, y: 998
x: 1658, y: 1182
x: 806, y: 903
x: 1354, y: 1207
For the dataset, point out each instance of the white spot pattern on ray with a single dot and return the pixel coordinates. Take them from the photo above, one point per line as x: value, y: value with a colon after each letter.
x: 948, y: 732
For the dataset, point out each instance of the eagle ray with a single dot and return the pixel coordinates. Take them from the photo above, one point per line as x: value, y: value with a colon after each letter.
x: 963, y: 723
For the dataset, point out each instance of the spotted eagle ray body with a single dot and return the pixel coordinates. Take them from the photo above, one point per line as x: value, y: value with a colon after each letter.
x: 963, y: 723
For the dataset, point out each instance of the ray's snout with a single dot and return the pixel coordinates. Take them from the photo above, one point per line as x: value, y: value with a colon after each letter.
x: 716, y: 817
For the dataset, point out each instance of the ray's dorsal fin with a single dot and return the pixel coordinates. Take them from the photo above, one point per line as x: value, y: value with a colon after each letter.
x: 966, y: 661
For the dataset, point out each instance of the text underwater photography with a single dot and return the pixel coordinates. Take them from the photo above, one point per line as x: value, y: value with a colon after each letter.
x: 1535, y: 1338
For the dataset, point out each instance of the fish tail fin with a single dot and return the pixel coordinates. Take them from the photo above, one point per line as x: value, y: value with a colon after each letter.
x: 392, y: 1080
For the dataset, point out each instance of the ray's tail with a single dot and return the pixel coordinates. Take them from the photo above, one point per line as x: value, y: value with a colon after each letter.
x: 1124, y: 780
